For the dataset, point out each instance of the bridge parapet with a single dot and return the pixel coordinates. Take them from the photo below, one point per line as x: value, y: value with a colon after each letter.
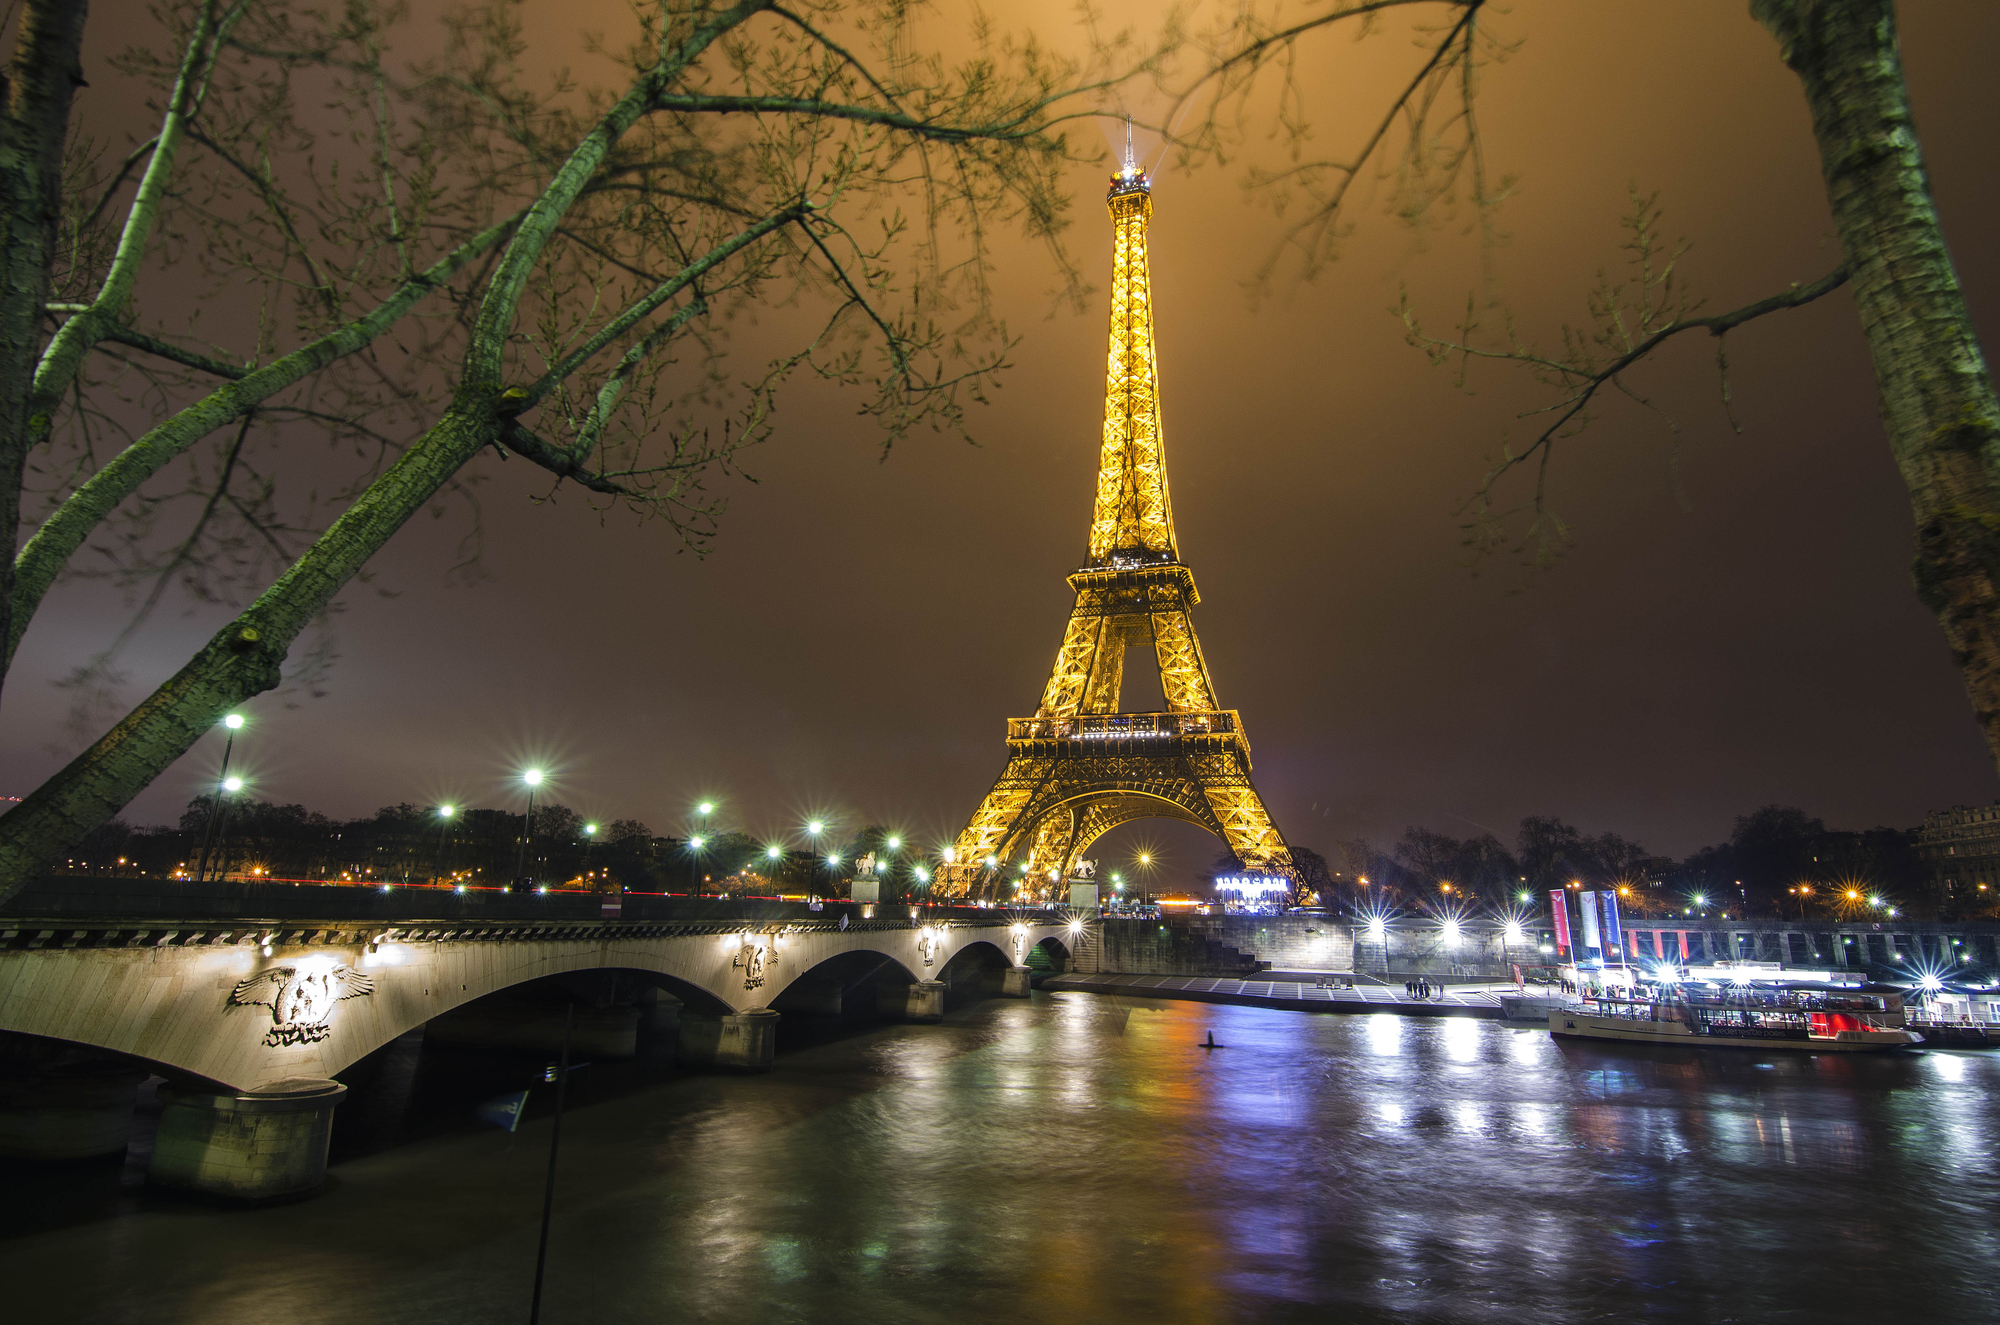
x: 242, y: 1003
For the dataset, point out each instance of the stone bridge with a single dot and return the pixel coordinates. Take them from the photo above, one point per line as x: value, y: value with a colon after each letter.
x: 250, y: 1021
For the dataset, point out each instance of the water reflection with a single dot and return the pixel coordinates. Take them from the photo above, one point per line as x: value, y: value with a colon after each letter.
x: 1054, y: 1159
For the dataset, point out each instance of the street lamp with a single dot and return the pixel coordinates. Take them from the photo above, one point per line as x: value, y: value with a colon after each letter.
x: 445, y: 812
x: 533, y: 779
x: 230, y: 786
x: 695, y: 842
x: 813, y: 831
x: 232, y: 723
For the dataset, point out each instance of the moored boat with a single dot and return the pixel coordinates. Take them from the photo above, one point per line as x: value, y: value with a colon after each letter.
x: 1816, y: 1020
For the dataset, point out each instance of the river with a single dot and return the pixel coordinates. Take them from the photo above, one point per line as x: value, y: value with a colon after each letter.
x: 1082, y: 1159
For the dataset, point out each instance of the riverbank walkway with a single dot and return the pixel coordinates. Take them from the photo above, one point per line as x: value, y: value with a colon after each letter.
x: 1291, y: 993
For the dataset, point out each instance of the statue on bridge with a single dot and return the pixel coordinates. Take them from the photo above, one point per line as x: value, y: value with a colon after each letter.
x: 1086, y: 869
x: 864, y: 868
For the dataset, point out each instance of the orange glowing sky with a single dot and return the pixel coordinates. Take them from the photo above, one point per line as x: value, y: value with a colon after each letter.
x: 1734, y: 627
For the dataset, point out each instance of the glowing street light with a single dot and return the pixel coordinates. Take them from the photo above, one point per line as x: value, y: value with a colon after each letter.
x: 444, y: 813
x: 232, y: 785
x: 894, y: 844
x: 232, y: 724
x: 533, y: 778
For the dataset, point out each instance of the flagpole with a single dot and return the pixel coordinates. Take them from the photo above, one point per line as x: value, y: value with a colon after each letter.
x: 549, y: 1190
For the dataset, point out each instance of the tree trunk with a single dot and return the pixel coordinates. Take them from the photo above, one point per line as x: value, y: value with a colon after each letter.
x: 1936, y: 397
x: 40, y: 80
x: 242, y: 660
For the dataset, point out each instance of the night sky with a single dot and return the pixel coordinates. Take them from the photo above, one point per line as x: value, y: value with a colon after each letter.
x: 1734, y: 625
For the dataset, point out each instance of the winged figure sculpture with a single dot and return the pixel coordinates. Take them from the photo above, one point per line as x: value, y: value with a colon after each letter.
x: 301, y: 1000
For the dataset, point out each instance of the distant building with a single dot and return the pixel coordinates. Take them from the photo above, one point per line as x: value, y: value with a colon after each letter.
x: 1962, y: 848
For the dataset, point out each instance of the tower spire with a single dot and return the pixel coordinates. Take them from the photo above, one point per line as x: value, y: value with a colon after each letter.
x: 1085, y: 764
x: 1133, y: 517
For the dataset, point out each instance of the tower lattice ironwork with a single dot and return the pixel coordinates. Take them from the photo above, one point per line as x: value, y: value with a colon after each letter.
x: 1080, y: 766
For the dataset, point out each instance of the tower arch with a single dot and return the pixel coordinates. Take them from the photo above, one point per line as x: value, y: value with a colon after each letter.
x: 1081, y: 766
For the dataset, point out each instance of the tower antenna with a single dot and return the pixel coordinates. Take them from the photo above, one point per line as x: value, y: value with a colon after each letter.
x: 1131, y: 166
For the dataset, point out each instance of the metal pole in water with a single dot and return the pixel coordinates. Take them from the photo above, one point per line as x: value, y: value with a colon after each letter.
x: 549, y: 1190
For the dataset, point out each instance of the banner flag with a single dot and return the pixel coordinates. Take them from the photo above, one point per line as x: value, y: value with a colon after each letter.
x: 1614, y: 933
x: 1559, y: 912
x: 1593, y: 941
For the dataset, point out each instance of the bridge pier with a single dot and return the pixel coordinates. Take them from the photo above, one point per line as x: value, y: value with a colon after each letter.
x: 254, y: 1145
x: 660, y: 1024
x: 68, y: 1110
x: 920, y: 1001
x: 814, y: 998
x: 743, y: 1041
x: 1014, y: 983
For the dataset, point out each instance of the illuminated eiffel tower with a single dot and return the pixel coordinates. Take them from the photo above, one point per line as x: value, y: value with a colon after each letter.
x: 1080, y: 766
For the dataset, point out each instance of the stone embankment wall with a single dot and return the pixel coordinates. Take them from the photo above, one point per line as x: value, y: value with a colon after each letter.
x: 1152, y: 947
x: 1282, y: 943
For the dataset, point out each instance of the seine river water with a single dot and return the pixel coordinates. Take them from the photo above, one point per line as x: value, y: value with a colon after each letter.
x: 1081, y: 1159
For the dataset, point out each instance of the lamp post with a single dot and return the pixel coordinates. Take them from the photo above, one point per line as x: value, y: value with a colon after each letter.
x: 696, y: 841
x: 695, y: 844
x: 813, y: 830
x: 1145, y: 865
x: 533, y: 777
x: 233, y: 723
x: 589, y: 840
x: 230, y: 786
x: 445, y: 812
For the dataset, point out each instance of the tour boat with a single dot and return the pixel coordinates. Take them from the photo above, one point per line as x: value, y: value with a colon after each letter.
x: 1817, y: 1020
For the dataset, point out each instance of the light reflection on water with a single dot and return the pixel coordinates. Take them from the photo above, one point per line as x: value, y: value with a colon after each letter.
x: 1076, y: 1159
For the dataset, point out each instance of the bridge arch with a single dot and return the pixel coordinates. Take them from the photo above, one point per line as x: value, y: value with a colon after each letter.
x: 841, y: 984
x: 243, y: 1006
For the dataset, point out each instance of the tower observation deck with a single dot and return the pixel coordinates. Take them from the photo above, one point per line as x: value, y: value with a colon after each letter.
x: 1081, y: 766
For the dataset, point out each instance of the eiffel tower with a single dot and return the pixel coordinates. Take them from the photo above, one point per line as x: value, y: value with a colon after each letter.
x: 1080, y: 766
